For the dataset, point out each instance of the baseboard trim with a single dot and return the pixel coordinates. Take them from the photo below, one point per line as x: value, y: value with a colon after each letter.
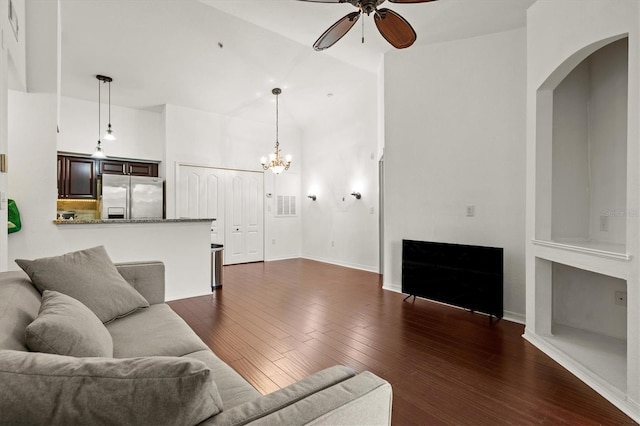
x: 514, y: 317
x: 595, y: 382
x: 345, y: 264
x: 274, y: 259
x: 391, y: 287
x: 508, y: 315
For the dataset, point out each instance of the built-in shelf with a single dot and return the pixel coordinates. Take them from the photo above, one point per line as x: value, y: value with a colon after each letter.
x: 595, y: 248
x: 583, y: 224
x: 603, y: 355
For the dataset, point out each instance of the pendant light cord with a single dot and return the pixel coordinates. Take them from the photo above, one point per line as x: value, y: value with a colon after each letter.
x: 109, y: 104
x: 99, y: 102
x: 277, y: 126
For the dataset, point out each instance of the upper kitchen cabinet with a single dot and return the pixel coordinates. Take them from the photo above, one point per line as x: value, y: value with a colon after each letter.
x: 133, y: 168
x: 76, y: 177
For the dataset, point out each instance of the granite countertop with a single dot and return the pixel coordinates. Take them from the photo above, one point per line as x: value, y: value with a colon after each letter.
x: 105, y: 221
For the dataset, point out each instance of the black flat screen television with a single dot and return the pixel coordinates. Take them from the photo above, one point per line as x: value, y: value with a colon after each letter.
x: 470, y: 277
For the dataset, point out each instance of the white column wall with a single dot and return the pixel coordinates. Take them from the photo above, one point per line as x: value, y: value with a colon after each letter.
x: 559, y: 36
x: 455, y: 136
x: 341, y: 155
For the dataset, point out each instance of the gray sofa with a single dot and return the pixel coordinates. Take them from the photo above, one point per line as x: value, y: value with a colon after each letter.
x: 334, y: 396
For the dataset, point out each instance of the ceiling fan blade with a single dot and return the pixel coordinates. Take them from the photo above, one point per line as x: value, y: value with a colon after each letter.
x: 402, y: 1
x: 394, y: 28
x: 336, y: 31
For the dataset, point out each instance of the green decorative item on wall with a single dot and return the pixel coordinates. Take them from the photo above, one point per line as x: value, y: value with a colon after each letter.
x: 14, y: 217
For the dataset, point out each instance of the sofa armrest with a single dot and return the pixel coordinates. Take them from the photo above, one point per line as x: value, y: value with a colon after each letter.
x: 329, y: 397
x: 146, y: 277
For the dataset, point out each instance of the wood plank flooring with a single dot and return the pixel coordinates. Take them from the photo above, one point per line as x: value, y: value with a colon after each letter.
x: 277, y: 322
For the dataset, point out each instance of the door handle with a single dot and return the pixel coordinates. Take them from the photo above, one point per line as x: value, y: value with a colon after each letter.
x: 237, y: 229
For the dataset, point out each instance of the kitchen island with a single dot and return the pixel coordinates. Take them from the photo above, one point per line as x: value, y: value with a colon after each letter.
x: 183, y: 245
x: 121, y: 221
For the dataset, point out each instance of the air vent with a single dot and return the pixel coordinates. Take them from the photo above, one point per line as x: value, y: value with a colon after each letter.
x: 286, y: 205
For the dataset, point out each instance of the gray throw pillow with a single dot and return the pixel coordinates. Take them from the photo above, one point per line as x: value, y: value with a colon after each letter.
x: 88, y: 276
x: 65, y: 326
x: 45, y: 389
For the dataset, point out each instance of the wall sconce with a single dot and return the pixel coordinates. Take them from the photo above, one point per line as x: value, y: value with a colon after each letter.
x: 312, y: 196
x: 356, y: 194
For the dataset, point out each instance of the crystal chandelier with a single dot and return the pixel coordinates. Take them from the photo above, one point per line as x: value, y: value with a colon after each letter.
x: 275, y: 162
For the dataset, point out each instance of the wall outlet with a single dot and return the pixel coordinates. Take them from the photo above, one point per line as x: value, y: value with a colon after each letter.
x: 621, y: 298
x: 273, y: 241
x: 371, y: 210
x: 604, y: 223
x: 333, y: 243
x: 471, y: 211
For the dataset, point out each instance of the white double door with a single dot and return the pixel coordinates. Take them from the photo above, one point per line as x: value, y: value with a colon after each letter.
x: 234, y: 199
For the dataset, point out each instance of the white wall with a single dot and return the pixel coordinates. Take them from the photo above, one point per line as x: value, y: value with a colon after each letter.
x: 589, y: 149
x: 32, y: 184
x: 139, y: 134
x: 559, y: 36
x: 578, y: 297
x: 206, y: 139
x: 341, y: 155
x: 12, y: 74
x: 570, y: 153
x: 455, y: 136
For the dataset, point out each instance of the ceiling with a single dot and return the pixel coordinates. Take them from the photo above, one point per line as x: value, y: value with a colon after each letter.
x: 225, y: 56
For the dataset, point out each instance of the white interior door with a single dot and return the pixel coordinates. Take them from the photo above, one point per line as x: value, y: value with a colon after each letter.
x: 234, y: 198
x: 244, y: 213
x: 200, y: 193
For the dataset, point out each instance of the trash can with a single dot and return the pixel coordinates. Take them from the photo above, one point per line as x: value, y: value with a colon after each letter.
x: 216, y: 266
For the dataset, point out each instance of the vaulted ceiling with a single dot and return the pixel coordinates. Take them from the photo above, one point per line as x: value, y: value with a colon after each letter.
x: 225, y: 56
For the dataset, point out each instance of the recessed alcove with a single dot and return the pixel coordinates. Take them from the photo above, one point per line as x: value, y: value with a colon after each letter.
x: 589, y: 323
x: 589, y: 153
x: 581, y: 256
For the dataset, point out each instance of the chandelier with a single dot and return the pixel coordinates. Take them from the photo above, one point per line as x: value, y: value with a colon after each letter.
x: 275, y: 161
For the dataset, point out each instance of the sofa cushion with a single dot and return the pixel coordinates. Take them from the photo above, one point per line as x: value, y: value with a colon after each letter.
x: 157, y: 330
x: 65, y: 326
x: 48, y: 389
x: 88, y: 276
x: 234, y: 389
x: 19, y: 305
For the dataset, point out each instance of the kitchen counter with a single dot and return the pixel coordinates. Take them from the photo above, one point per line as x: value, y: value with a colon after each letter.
x: 183, y: 245
x: 121, y: 221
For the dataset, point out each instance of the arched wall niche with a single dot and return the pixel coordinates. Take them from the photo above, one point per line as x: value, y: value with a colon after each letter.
x: 581, y: 148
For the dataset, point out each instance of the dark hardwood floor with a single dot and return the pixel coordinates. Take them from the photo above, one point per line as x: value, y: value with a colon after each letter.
x: 278, y: 322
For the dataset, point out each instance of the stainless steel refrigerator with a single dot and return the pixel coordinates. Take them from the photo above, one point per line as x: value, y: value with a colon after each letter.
x: 132, y: 197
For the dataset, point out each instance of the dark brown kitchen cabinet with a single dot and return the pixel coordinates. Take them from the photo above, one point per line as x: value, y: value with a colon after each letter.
x: 76, y: 177
x: 132, y: 168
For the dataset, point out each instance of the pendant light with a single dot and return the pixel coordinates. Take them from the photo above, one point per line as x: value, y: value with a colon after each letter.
x: 276, y: 163
x: 108, y: 136
x: 98, y: 152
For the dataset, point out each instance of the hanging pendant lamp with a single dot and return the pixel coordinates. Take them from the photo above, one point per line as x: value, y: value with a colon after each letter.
x: 98, y: 152
x: 108, y: 136
x: 275, y: 163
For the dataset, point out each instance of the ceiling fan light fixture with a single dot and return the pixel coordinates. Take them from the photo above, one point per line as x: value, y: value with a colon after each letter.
x: 393, y: 27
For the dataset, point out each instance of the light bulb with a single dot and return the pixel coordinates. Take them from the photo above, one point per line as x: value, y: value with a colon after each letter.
x: 288, y: 157
x: 263, y: 160
x: 98, y: 152
x: 109, y: 136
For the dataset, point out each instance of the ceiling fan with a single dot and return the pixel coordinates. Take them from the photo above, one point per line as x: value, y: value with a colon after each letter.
x: 393, y: 27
